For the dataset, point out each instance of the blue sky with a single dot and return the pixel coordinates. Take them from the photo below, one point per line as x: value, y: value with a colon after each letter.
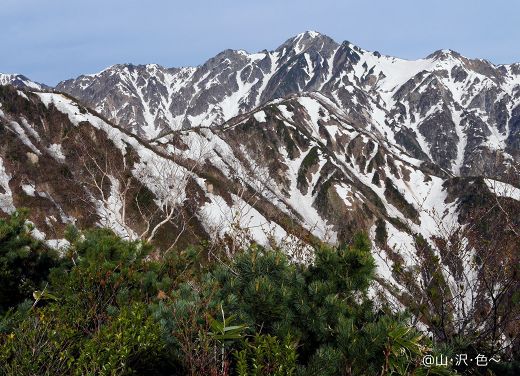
x: 52, y: 40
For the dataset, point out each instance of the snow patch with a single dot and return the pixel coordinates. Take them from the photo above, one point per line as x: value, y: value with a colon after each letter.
x: 23, y: 136
x: 58, y: 244
x: 37, y: 234
x: 260, y: 116
x: 285, y: 112
x: 503, y: 189
x: 29, y: 189
x: 56, y: 151
x: 110, y: 212
x: 6, y: 199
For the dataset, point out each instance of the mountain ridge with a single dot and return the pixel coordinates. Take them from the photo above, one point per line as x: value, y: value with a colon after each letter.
x: 473, y: 103
x: 292, y: 172
x: 379, y: 91
x: 516, y: 64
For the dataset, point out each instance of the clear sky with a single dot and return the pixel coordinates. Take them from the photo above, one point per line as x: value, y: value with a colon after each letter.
x: 52, y: 40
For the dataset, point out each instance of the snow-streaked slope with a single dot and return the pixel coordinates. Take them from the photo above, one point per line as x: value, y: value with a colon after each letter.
x: 292, y: 173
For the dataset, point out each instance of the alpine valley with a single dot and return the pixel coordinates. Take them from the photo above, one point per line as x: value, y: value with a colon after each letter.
x: 312, y: 142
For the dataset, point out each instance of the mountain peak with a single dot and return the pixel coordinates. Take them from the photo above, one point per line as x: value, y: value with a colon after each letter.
x: 20, y: 81
x: 445, y: 54
x: 310, y: 34
x: 306, y: 40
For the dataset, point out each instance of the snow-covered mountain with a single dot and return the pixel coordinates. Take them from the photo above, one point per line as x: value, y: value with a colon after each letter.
x: 312, y: 142
x: 20, y: 81
x: 462, y: 114
x: 294, y: 166
x: 291, y: 173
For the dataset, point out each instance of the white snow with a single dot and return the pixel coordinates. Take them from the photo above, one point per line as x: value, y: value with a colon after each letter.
x: 56, y: 151
x: 243, y: 223
x: 503, y: 189
x: 309, y: 69
x: 267, y: 76
x: 23, y: 136
x: 299, y: 47
x: 304, y: 204
x: 6, y: 79
x: 383, y: 262
x: 29, y: 128
x: 260, y: 116
x: 397, y: 71
x: 242, y: 215
x: 71, y: 109
x: 37, y: 234
x: 462, y: 142
x: 285, y: 112
x: 313, y: 108
x: 231, y: 104
x: 330, y: 66
x: 22, y: 94
x: 58, y: 244
x: 6, y: 199
x: 29, y: 189
x: 110, y: 212
x: 402, y: 243
x: 345, y: 193
x: 66, y: 106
